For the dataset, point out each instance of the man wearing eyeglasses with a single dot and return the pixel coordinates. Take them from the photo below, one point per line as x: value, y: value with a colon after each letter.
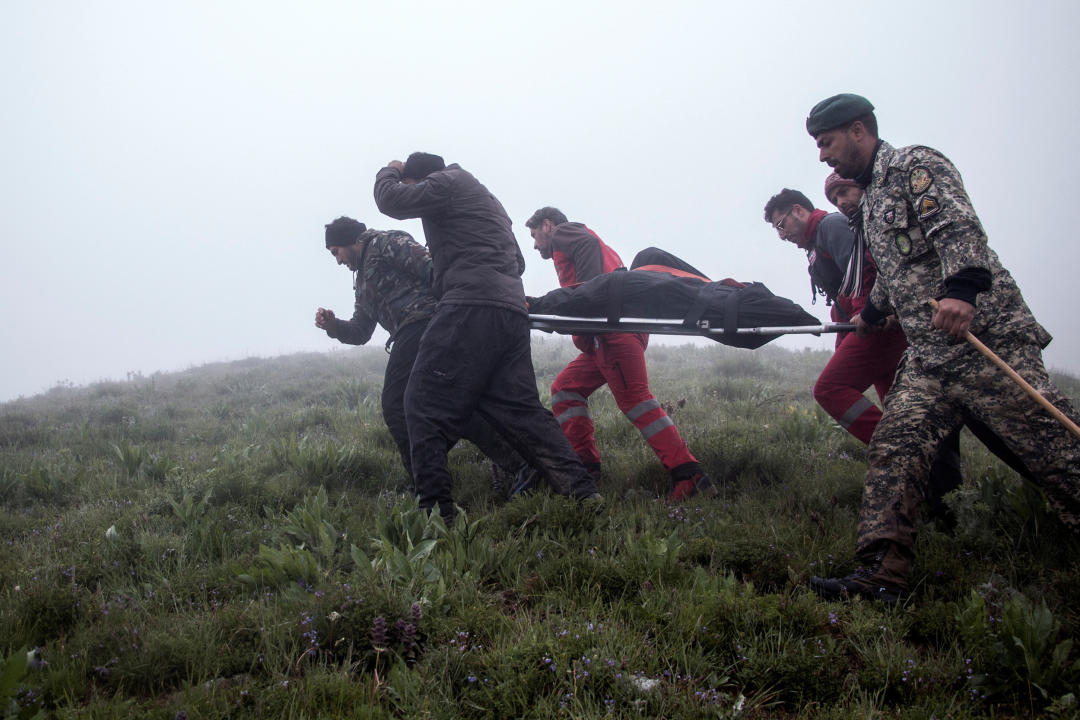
x: 868, y: 360
x: 844, y: 277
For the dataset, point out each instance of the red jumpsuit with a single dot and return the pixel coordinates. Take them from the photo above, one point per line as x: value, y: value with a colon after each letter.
x: 614, y: 359
x: 859, y: 362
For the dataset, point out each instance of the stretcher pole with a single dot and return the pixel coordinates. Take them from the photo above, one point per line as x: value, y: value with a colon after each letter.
x: 563, y: 324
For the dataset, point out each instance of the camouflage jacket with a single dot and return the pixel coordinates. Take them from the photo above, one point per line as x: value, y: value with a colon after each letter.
x: 922, y: 229
x: 392, y: 284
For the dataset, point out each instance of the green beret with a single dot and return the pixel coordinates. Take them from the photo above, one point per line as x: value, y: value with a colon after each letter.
x: 836, y: 111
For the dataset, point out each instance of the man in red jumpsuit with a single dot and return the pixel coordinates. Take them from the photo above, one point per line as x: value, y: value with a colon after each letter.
x: 614, y: 359
x: 841, y: 269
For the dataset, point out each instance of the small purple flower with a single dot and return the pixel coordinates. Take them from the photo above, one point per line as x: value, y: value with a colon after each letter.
x: 380, y: 638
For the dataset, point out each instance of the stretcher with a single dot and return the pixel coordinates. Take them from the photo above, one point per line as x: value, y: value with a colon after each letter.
x: 657, y: 326
x: 673, y: 298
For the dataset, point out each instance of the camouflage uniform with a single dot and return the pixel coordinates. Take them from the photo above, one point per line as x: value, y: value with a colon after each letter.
x: 922, y: 229
x: 393, y: 286
x: 393, y: 289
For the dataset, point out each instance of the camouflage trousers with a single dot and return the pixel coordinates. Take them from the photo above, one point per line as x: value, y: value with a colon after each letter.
x: 926, y: 404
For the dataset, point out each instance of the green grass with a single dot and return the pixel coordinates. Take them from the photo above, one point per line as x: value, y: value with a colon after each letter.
x: 235, y: 541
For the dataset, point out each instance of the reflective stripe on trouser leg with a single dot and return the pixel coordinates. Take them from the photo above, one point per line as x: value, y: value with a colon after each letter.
x: 660, y: 432
x: 852, y: 413
x: 567, y: 396
x: 641, y: 408
x: 656, y: 426
x: 861, y: 419
x: 571, y: 410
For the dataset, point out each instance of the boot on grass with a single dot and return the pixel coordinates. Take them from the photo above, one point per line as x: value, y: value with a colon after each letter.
x: 882, y: 576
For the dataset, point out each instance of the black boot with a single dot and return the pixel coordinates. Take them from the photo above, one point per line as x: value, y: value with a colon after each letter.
x: 882, y: 576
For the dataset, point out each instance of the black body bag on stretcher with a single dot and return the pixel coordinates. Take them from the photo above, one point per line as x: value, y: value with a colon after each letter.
x: 664, y: 287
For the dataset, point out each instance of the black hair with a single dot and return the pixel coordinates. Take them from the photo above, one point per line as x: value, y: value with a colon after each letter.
x: 421, y: 164
x: 784, y: 201
x: 555, y: 215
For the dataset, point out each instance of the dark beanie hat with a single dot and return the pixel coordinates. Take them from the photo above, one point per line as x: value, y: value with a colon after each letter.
x: 421, y: 164
x: 836, y: 111
x: 835, y: 182
x: 343, y: 231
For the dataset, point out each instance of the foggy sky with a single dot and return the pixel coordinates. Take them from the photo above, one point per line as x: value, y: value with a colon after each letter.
x: 167, y: 169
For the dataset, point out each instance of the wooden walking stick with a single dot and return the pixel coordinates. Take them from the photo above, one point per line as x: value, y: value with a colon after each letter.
x: 1004, y: 366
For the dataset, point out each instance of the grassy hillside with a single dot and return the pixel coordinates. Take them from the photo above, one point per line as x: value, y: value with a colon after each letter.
x: 234, y: 541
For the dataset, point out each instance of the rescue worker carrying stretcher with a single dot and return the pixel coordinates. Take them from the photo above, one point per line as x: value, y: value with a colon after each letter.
x: 614, y: 359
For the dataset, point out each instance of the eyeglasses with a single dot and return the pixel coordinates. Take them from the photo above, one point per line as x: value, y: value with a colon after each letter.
x: 779, y: 226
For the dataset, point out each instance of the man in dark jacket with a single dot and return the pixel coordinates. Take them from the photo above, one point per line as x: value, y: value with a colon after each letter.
x: 614, y: 359
x: 392, y: 282
x: 475, y: 355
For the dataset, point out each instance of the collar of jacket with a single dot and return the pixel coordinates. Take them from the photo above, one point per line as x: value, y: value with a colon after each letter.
x: 807, y: 241
x: 866, y: 176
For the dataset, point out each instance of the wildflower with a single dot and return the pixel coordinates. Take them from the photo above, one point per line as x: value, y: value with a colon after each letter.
x: 334, y: 616
x: 111, y: 533
x: 380, y: 640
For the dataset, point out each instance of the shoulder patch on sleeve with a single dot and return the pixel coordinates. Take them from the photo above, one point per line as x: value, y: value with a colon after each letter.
x: 920, y: 178
x: 928, y: 207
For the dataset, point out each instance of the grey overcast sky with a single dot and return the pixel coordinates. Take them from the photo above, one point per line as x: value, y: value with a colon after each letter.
x: 167, y: 168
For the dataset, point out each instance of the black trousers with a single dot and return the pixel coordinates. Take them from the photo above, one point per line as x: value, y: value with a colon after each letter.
x: 478, y: 359
x: 396, y: 378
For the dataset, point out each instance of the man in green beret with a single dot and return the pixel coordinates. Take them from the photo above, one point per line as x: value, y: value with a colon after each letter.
x: 928, y: 244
